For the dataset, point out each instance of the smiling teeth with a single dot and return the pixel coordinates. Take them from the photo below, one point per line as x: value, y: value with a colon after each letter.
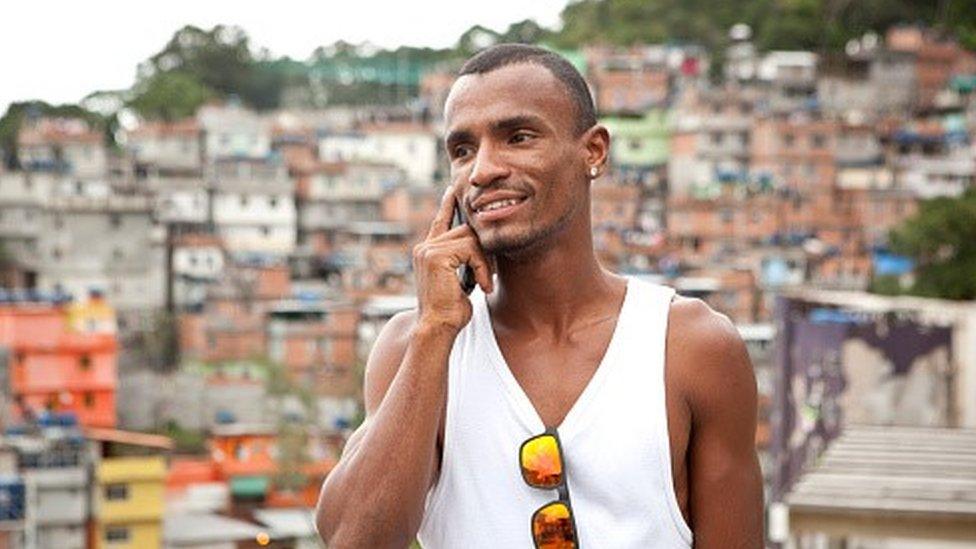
x: 499, y: 204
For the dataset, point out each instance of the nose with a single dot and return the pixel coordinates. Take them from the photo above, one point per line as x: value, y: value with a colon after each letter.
x: 486, y: 168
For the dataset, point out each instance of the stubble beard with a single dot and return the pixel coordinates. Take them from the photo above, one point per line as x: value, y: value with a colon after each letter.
x: 527, y: 245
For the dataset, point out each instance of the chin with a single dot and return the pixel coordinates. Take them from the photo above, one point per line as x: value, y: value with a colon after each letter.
x: 516, y: 246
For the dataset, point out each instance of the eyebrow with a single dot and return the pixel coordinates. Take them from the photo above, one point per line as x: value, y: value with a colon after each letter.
x: 498, y: 126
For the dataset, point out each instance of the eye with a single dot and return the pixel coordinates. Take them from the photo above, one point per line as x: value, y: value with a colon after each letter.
x: 520, y: 137
x: 460, y: 151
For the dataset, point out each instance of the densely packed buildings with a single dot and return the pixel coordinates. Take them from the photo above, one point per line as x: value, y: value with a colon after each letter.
x: 249, y: 258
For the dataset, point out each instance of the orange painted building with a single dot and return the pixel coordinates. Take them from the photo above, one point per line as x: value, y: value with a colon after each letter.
x: 62, y: 359
x: 248, y: 458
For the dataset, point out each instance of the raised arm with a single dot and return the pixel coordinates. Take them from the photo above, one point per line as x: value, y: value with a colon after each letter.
x: 375, y: 495
x: 718, y: 385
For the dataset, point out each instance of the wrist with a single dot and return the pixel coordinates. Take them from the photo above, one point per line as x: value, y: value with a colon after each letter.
x: 433, y: 329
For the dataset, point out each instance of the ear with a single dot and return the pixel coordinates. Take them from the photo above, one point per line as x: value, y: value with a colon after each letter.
x: 596, y: 146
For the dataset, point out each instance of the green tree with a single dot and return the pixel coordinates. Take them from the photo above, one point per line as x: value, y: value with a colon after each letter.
x: 526, y: 31
x: 941, y: 238
x: 169, y: 96
x: 220, y: 58
x: 777, y: 24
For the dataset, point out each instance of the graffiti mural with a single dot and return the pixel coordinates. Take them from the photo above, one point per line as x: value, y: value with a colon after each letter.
x: 837, y: 367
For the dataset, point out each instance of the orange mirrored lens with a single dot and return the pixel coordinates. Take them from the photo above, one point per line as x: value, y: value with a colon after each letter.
x: 542, y: 465
x: 552, y: 527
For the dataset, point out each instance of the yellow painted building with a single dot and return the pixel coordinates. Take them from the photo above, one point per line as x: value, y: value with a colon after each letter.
x: 129, y: 502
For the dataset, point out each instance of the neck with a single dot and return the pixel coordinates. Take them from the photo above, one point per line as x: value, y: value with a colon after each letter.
x: 554, y: 287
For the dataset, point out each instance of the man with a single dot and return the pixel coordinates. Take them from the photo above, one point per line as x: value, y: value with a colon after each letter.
x: 634, y: 454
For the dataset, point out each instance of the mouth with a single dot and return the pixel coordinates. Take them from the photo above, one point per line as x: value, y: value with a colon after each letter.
x: 499, y: 209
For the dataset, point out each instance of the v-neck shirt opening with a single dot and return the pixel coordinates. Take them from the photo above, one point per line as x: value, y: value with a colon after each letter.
x: 575, y: 419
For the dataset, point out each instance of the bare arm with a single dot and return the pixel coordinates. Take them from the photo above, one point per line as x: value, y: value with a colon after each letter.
x: 375, y: 495
x: 725, y: 483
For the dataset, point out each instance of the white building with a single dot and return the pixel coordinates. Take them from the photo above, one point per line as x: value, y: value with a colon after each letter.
x: 198, y: 262
x: 234, y: 132
x: 411, y: 147
x: 62, y: 145
x: 347, y: 191
x: 23, y: 196
x: 948, y: 173
x: 163, y: 147
x: 109, y: 244
x: 253, y: 206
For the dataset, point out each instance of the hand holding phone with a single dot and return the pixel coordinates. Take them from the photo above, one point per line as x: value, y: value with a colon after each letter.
x: 465, y: 272
x: 447, y: 264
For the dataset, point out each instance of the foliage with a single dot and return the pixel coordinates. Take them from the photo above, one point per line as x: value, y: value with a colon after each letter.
x: 824, y: 25
x: 219, y: 59
x: 169, y: 96
x: 186, y: 441
x: 941, y: 238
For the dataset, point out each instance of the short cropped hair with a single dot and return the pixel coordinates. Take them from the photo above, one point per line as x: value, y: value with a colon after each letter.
x: 501, y: 55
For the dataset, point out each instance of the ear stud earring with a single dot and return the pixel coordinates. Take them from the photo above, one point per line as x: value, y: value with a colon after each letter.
x: 593, y: 171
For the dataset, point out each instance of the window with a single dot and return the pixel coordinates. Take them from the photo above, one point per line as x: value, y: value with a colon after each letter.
x: 819, y: 141
x: 115, y: 492
x: 117, y: 254
x: 116, y: 534
x: 85, y: 362
x: 273, y: 202
x: 243, y: 200
x: 115, y: 220
x: 58, y: 222
x: 265, y: 231
x: 89, y: 400
x: 788, y: 140
x: 56, y: 253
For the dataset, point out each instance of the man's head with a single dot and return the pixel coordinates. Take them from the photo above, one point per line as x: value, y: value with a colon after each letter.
x: 520, y: 125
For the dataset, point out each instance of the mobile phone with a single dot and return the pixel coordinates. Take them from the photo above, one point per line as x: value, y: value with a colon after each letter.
x: 465, y: 272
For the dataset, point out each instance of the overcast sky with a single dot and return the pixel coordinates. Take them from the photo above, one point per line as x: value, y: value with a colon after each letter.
x: 60, y: 50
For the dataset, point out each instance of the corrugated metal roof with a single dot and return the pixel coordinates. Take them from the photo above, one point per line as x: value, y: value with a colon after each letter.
x: 202, y: 528
x: 894, y: 471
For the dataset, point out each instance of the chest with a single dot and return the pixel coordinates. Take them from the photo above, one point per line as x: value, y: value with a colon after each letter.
x: 552, y: 374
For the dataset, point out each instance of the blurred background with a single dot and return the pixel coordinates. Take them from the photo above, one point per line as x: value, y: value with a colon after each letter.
x: 202, y: 231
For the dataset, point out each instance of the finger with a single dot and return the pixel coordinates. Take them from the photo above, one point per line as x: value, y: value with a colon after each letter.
x: 455, y: 233
x: 442, y: 220
x: 468, y: 251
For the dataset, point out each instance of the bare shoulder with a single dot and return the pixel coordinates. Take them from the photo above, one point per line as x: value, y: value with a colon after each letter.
x: 385, y: 357
x: 707, y: 358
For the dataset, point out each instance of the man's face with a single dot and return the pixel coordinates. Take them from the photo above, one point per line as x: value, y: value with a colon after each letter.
x: 518, y: 166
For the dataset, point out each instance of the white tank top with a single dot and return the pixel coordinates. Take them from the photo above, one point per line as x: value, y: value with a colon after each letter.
x: 614, y: 438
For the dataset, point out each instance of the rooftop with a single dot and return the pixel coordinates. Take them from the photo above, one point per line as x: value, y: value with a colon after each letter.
x: 193, y: 530
x: 906, y: 481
